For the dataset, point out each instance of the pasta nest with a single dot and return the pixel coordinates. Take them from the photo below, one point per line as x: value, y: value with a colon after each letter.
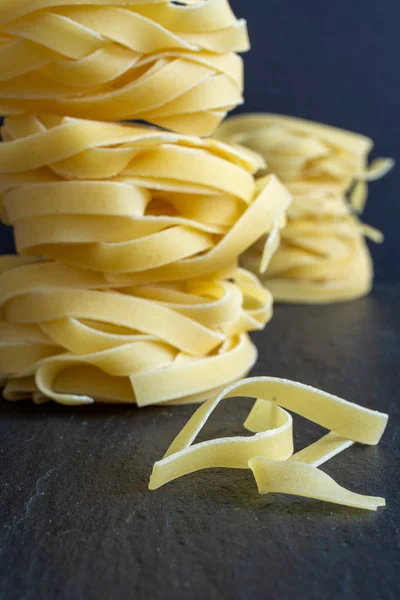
x: 322, y: 254
x: 171, y: 64
x: 70, y: 336
x: 132, y: 202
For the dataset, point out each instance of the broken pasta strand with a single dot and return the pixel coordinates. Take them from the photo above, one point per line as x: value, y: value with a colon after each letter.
x: 269, y: 453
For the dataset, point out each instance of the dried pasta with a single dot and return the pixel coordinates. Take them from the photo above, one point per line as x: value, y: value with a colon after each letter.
x: 131, y: 201
x: 71, y: 336
x: 171, y: 64
x: 269, y: 452
x: 137, y: 297
x: 127, y: 287
x: 322, y: 255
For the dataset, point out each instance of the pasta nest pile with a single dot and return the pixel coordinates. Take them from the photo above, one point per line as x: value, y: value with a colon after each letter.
x: 171, y: 64
x: 322, y: 254
x: 137, y: 296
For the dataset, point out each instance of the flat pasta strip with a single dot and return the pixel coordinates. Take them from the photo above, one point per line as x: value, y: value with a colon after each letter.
x: 322, y: 255
x: 71, y: 336
x: 269, y: 452
x: 174, y: 65
x: 130, y: 201
x: 297, y: 479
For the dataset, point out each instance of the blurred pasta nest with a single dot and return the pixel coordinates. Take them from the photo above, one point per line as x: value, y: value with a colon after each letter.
x: 322, y: 255
x: 171, y: 64
x: 137, y: 296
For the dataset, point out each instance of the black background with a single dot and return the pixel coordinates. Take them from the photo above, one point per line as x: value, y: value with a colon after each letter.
x: 335, y: 62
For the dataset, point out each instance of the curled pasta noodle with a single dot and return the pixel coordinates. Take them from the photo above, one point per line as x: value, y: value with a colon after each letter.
x: 171, y: 64
x: 69, y: 335
x: 269, y: 452
x: 322, y: 255
x: 129, y: 201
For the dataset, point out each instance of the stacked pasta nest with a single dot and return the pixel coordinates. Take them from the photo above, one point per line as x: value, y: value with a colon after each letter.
x: 127, y: 286
x: 322, y: 254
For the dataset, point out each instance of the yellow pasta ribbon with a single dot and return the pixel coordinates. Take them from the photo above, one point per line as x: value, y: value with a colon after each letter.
x: 171, y: 64
x: 69, y: 335
x: 129, y: 201
x: 322, y: 254
x: 269, y: 452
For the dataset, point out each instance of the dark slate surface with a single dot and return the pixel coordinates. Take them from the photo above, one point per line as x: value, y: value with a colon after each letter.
x: 78, y: 521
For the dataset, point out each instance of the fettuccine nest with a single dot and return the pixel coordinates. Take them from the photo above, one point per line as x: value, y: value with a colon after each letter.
x: 139, y: 298
x: 322, y: 254
x: 174, y: 65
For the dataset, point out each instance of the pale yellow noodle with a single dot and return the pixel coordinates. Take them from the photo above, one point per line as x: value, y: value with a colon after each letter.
x: 269, y: 452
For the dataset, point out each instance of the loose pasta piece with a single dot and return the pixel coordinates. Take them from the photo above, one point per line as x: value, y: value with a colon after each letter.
x: 130, y: 201
x: 171, y: 64
x: 269, y: 453
x: 322, y: 255
x: 297, y: 479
